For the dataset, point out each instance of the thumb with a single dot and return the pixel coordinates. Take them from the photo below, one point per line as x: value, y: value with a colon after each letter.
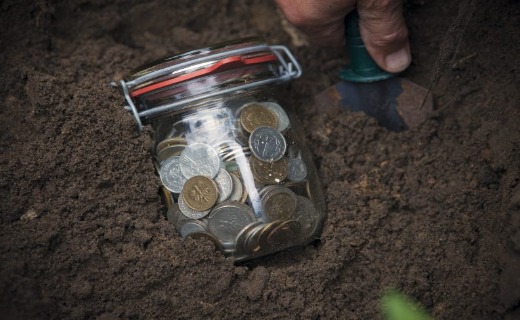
x: 384, y: 33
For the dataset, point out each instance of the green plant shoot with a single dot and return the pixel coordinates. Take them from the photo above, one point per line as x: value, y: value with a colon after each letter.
x: 397, y: 306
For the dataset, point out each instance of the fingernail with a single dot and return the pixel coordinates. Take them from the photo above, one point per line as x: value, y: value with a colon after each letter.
x: 398, y: 60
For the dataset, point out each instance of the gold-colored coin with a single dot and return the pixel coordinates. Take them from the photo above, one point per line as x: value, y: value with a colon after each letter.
x: 169, y: 148
x: 273, y: 172
x: 279, y: 203
x: 243, y: 237
x: 166, y: 197
x: 261, y: 242
x: 255, y: 115
x: 286, y: 234
x: 170, y: 142
x: 200, y: 193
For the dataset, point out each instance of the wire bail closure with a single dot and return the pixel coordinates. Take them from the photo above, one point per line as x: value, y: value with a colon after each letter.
x: 289, y: 69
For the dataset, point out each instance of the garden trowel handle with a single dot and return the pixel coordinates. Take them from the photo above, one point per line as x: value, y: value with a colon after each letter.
x: 362, y: 68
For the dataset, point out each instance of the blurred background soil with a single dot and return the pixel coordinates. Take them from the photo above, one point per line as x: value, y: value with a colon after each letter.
x: 432, y: 212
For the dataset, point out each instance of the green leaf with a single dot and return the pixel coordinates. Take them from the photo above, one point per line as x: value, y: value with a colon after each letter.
x: 397, y: 306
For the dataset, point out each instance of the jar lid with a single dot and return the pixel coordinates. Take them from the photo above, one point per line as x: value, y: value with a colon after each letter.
x: 173, y: 83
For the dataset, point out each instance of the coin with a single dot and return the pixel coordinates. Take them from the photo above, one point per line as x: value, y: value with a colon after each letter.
x: 243, y: 244
x: 169, y: 152
x: 283, y: 119
x: 279, y: 203
x: 307, y: 215
x: 200, y: 193
x: 190, y: 227
x: 169, y: 148
x: 253, y: 242
x: 269, y: 172
x: 265, y: 189
x: 170, y: 142
x: 227, y: 219
x: 267, y: 144
x: 199, y: 159
x: 283, y: 235
x: 296, y: 170
x: 237, y: 194
x: 224, y: 184
x: 166, y: 197
x: 255, y: 115
x: 181, y: 220
x: 258, y: 241
x: 189, y: 212
x: 171, y: 175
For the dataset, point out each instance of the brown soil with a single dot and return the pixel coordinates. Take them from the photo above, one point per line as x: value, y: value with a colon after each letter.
x: 432, y: 212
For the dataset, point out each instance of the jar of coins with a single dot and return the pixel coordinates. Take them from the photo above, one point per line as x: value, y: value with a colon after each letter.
x: 230, y: 155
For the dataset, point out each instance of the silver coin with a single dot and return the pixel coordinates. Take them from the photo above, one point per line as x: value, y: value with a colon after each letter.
x: 199, y: 159
x: 307, y: 215
x: 227, y: 219
x: 224, y: 185
x: 267, y: 144
x: 266, y: 189
x: 190, y: 227
x: 238, y: 189
x: 181, y: 220
x: 189, y: 212
x: 296, y: 170
x: 171, y: 175
x: 283, y: 119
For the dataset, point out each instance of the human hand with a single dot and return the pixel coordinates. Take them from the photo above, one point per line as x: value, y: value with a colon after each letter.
x: 381, y: 25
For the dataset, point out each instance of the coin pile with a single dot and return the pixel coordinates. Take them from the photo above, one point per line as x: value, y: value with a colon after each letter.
x: 236, y: 176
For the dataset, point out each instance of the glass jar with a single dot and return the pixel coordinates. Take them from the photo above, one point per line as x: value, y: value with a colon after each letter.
x: 232, y: 160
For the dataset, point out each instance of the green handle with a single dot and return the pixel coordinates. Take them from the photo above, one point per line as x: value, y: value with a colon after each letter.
x: 362, y: 68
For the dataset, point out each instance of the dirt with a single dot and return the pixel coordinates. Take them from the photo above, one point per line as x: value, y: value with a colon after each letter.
x: 433, y: 212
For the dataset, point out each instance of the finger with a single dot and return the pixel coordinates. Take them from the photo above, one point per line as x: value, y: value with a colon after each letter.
x: 322, y: 21
x: 384, y: 33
